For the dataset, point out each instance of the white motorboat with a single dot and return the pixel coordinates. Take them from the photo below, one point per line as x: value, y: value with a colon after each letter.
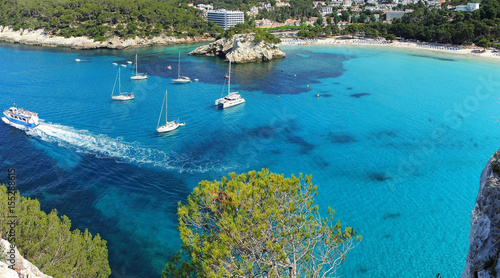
x: 22, y: 117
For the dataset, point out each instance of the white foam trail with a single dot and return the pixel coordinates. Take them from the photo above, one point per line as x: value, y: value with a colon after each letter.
x: 84, y: 141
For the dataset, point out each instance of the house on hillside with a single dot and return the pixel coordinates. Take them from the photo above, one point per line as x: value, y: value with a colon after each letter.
x: 470, y: 7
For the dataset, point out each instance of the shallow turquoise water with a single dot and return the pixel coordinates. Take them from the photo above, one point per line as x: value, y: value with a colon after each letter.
x: 395, y: 142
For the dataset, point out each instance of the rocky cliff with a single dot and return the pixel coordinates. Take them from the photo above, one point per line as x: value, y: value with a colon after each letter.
x: 241, y: 49
x: 40, y: 37
x: 19, y: 267
x: 484, y: 238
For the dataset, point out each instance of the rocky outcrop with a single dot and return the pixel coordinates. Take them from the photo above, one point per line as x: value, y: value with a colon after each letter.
x: 241, y: 49
x: 14, y: 265
x: 484, y: 238
x: 42, y: 38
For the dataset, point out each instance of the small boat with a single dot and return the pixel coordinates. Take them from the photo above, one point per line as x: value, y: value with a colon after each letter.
x: 22, y: 117
x: 116, y: 64
x: 130, y: 62
x: 123, y: 65
x: 196, y: 80
x: 232, y: 98
x: 169, y: 126
x: 180, y: 79
x: 138, y: 76
x: 121, y: 95
x: 169, y: 67
x: 78, y: 60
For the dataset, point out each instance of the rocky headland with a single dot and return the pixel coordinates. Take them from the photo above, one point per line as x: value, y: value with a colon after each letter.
x: 484, y: 238
x: 19, y: 267
x: 240, y: 48
x: 42, y: 38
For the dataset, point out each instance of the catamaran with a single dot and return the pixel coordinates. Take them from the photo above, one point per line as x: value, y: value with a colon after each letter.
x: 22, y: 117
x: 232, y: 98
x: 168, y: 125
x: 138, y: 76
x: 121, y: 95
x: 180, y: 79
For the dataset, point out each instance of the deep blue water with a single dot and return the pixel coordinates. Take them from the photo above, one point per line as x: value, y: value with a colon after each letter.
x: 394, y: 140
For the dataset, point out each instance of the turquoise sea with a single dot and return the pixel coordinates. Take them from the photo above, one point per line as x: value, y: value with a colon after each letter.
x: 395, y: 140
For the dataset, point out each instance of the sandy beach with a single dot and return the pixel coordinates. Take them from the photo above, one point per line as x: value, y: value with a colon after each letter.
x: 471, y: 51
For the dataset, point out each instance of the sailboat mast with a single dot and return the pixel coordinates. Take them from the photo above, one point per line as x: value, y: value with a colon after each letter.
x: 166, y: 117
x: 119, y: 82
x: 179, y: 67
x: 229, y: 79
x: 114, y: 85
x: 136, y: 66
x: 161, y: 110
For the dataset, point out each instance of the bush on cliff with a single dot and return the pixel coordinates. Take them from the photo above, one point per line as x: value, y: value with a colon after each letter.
x: 258, y: 225
x: 47, y: 241
x: 244, y: 28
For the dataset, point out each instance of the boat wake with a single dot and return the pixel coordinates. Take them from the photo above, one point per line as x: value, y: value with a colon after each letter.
x: 102, y: 145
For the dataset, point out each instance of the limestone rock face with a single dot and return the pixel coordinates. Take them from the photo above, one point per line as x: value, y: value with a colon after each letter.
x: 484, y: 238
x: 22, y: 267
x: 241, y: 49
x: 42, y: 38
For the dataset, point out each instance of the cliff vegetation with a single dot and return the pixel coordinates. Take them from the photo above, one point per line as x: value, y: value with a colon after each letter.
x: 48, y: 241
x: 103, y: 19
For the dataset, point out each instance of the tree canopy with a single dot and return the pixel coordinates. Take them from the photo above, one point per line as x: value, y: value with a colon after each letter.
x: 258, y: 224
x: 100, y: 19
x: 443, y: 25
x: 243, y: 28
x: 47, y: 241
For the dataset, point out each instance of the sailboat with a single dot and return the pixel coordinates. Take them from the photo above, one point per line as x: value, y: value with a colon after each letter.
x: 121, y: 95
x: 180, y: 79
x: 168, y: 125
x: 232, y: 98
x: 138, y: 76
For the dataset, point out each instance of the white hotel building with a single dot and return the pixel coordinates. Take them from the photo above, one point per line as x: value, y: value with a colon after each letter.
x: 226, y: 19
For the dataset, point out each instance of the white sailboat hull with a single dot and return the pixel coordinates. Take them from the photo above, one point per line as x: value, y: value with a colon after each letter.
x: 169, y: 126
x: 181, y: 80
x: 139, y: 77
x: 123, y: 97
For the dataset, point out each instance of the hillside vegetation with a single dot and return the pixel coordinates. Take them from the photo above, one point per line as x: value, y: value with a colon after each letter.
x: 445, y: 26
x: 105, y: 18
x: 47, y: 241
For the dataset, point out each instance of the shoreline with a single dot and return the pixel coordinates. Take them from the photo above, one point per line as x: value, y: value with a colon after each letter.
x: 463, y: 51
x: 41, y: 38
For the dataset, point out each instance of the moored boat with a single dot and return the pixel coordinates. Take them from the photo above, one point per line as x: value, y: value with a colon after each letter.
x: 169, y: 126
x: 22, y: 117
x: 138, y: 76
x: 121, y: 95
x: 232, y: 98
x: 180, y: 79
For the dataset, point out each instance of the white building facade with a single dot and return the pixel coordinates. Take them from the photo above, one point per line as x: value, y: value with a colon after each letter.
x: 470, y: 7
x: 226, y: 19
